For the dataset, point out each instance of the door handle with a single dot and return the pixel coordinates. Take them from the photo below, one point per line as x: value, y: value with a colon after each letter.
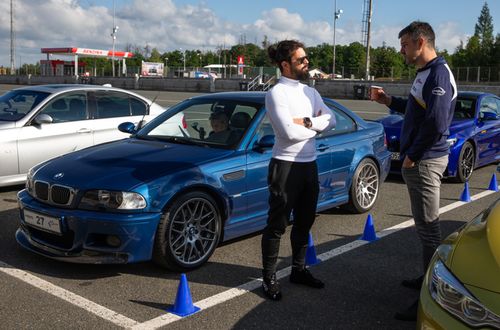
x: 84, y: 130
x: 322, y: 147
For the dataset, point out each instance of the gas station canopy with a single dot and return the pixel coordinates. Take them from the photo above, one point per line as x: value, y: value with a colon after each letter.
x: 87, y: 52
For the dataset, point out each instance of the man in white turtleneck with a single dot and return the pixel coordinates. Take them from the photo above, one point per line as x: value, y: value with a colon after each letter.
x: 297, y: 113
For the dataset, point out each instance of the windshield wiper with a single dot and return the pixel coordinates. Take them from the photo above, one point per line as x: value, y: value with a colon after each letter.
x: 175, y: 139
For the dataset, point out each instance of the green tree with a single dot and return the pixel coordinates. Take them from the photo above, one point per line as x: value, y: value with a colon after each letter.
x: 354, y: 59
x: 386, y: 62
x: 484, y: 31
x: 155, y: 56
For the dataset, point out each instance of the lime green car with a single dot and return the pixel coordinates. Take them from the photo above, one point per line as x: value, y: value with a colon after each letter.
x: 461, y: 288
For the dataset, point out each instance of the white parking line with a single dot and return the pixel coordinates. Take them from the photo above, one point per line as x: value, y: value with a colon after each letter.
x: 206, y: 303
x: 70, y: 297
x: 254, y: 284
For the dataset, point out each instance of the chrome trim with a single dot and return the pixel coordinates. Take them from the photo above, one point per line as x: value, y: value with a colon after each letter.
x: 49, y: 200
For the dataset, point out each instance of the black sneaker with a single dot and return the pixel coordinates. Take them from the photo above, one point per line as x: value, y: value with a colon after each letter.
x: 409, y: 314
x: 414, y: 283
x: 271, y: 287
x: 304, y: 276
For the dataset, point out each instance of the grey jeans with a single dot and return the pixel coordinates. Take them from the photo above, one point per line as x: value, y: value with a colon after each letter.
x: 424, y: 183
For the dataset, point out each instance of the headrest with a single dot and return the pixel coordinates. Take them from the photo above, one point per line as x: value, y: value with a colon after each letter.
x: 240, y: 120
x: 59, y: 104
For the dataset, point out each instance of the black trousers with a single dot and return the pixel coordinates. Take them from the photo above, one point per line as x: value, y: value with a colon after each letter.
x: 293, y: 187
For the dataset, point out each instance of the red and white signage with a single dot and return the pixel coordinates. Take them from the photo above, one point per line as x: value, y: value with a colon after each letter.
x: 86, y: 52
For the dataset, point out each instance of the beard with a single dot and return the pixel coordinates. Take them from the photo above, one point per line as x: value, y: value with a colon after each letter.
x: 300, y: 74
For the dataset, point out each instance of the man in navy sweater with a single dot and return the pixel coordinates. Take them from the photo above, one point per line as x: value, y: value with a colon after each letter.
x: 423, y: 144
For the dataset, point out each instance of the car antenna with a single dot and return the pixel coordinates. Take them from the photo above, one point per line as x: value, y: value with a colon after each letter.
x: 139, y: 126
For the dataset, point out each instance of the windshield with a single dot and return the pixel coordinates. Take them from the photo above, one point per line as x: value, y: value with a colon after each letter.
x: 15, y: 104
x: 208, y: 122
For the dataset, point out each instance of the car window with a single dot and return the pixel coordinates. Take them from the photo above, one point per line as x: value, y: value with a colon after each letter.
x: 112, y: 104
x: 264, y: 128
x: 14, y: 105
x: 489, y: 104
x: 138, y: 107
x: 344, y: 123
x: 211, y: 122
x: 464, y: 109
x: 69, y: 107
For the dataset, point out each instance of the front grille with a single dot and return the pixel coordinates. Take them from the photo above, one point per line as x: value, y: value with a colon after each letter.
x: 42, y: 190
x: 55, y: 194
x: 60, y: 194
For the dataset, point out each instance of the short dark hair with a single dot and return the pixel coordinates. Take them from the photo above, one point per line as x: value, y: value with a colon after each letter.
x: 283, y: 51
x: 419, y: 29
x: 219, y: 115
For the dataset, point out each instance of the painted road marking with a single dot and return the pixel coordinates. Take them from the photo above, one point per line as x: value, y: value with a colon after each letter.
x: 165, y: 319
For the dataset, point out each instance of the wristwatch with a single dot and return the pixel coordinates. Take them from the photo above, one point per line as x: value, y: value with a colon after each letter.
x: 307, y: 122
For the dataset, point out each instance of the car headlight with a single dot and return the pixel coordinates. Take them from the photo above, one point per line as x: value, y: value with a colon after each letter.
x: 29, y: 181
x: 450, y: 294
x: 113, y: 200
x: 452, y: 141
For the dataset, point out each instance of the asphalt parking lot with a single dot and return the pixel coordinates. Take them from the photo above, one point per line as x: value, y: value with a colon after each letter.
x: 362, y: 279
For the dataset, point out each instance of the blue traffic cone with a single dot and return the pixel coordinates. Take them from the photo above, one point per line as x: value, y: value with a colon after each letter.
x: 369, y: 233
x: 183, y: 303
x: 311, y: 258
x: 465, y: 196
x: 493, y: 183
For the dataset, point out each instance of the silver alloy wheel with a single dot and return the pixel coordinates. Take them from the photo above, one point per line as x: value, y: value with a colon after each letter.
x: 467, y: 162
x: 193, y: 231
x: 367, y: 184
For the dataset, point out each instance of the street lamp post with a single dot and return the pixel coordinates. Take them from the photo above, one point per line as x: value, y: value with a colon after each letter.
x: 166, y: 66
x: 113, y: 35
x: 336, y: 15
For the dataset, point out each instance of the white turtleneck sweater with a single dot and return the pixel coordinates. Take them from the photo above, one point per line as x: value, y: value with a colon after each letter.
x: 290, y: 99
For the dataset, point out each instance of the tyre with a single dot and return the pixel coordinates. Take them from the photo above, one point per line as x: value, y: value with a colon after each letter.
x: 364, y: 187
x: 466, y: 162
x: 188, y: 233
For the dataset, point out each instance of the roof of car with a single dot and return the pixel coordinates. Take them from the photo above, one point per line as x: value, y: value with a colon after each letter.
x: 51, y: 88
x: 257, y: 97
x: 473, y: 93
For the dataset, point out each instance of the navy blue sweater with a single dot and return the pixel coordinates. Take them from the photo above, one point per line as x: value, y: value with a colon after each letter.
x: 428, y: 112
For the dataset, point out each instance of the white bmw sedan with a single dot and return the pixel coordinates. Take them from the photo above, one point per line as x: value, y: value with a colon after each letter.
x: 41, y: 122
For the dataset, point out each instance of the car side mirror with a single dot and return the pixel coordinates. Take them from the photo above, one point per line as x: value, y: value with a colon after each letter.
x: 488, y: 116
x: 267, y: 141
x: 43, y: 118
x: 127, y: 127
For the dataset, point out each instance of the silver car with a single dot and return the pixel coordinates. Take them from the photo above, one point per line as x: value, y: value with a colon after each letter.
x: 41, y: 122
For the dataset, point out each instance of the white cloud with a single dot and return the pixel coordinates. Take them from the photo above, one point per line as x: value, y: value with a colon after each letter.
x: 167, y: 26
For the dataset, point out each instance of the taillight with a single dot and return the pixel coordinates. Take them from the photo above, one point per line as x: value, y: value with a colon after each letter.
x: 184, y: 124
x: 385, y: 139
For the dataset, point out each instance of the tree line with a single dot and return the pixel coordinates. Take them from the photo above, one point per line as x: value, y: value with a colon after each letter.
x: 482, y: 50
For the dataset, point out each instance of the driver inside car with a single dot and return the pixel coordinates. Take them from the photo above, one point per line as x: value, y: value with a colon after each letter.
x: 220, y: 128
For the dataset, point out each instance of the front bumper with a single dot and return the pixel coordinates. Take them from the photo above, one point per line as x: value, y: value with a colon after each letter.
x: 85, y: 235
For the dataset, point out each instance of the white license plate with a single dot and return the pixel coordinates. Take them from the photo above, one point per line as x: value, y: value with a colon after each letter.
x: 42, y: 221
x: 395, y: 156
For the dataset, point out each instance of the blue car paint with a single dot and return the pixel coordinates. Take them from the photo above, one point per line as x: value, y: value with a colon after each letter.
x: 483, y: 135
x: 161, y: 171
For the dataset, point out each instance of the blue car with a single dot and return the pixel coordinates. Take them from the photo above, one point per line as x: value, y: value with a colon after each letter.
x: 474, y: 135
x: 174, y: 198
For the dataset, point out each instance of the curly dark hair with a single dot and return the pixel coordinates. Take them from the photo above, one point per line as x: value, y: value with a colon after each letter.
x: 283, y: 50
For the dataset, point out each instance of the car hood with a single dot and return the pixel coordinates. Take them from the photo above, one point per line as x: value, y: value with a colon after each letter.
x: 476, y: 257
x: 124, y: 164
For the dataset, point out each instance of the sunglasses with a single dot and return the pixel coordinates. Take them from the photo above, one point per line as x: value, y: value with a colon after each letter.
x: 302, y: 59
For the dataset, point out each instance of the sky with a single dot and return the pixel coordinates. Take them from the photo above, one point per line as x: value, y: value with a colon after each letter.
x: 210, y: 24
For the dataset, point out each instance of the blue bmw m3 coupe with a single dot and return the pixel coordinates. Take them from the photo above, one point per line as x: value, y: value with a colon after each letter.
x: 174, y: 198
